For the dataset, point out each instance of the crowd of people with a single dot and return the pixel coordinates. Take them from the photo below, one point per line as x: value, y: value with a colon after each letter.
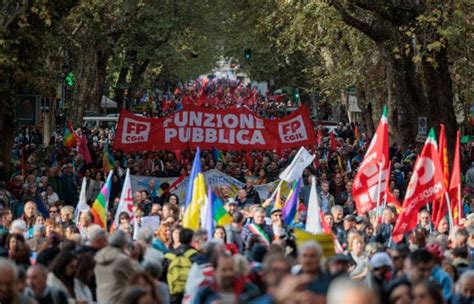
x: 53, y: 254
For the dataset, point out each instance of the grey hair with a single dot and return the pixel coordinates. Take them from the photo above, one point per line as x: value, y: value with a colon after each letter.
x: 469, y: 274
x: 152, y: 268
x: 119, y: 239
x: 43, y: 270
x: 337, y: 208
x: 18, y: 223
x: 146, y: 235
x: 199, y: 234
x: 335, y: 296
x: 311, y: 245
x: 96, y: 232
x: 66, y: 208
x: 8, y: 265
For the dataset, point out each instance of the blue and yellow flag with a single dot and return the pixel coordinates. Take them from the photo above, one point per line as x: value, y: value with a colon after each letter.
x: 195, y: 195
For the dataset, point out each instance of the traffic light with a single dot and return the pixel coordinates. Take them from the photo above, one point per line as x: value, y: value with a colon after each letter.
x: 247, y: 54
x: 70, y: 80
x: 296, y: 95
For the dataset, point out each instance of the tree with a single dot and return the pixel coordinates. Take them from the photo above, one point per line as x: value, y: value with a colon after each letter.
x: 411, y: 38
x: 27, y: 60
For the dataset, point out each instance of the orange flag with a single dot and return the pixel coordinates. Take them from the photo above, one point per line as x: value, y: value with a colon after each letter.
x: 455, y: 185
x: 440, y: 208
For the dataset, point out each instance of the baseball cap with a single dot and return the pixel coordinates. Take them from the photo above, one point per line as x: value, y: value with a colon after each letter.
x: 275, y: 210
x: 231, y: 201
x: 381, y: 259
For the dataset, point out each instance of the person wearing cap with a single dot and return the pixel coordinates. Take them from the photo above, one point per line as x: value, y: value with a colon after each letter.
x: 348, y: 224
x: 278, y: 225
x: 380, y: 266
x: 340, y: 264
x: 230, y: 206
x: 437, y: 273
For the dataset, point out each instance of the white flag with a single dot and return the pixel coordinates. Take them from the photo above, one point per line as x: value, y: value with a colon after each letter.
x: 126, y: 200
x: 313, y: 221
x: 302, y: 160
x: 82, y: 204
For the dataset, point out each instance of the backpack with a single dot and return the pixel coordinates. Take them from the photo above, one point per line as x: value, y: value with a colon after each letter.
x: 178, y: 270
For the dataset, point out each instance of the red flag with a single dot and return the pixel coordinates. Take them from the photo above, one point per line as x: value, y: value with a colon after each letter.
x: 366, y: 189
x: 440, y: 208
x: 249, y: 160
x: 332, y: 141
x: 455, y: 185
x: 426, y: 184
x: 356, y: 134
x: 319, y: 137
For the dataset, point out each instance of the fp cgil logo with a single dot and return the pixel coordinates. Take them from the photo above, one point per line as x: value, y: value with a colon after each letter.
x: 293, y: 130
x: 135, y: 131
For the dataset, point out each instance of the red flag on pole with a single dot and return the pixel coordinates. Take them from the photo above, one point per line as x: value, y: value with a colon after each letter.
x: 455, y: 184
x: 332, y: 141
x: 440, y: 207
x: 426, y: 184
x: 319, y: 137
x: 370, y: 181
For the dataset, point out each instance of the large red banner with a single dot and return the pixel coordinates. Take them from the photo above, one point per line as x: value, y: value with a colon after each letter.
x: 231, y: 129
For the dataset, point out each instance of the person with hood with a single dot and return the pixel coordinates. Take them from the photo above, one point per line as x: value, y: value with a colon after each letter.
x: 114, y: 268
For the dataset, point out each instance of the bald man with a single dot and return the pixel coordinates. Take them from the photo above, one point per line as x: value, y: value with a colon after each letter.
x: 38, y: 288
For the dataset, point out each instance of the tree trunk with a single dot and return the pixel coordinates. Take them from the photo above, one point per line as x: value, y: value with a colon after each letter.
x: 92, y: 68
x: 137, y: 73
x: 414, y: 89
x: 7, y: 125
x: 121, y: 85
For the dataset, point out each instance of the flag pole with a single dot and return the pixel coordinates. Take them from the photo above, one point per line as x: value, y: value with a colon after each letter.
x: 460, y: 211
x: 379, y: 185
x: 276, y: 190
x: 450, y: 212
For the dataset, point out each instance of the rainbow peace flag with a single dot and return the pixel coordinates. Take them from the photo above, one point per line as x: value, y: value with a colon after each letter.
x: 221, y: 216
x: 108, y: 161
x: 99, y: 207
x: 68, y: 138
x: 291, y: 204
x: 195, y: 195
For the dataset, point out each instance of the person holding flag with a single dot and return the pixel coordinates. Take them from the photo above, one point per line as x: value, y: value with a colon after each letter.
x: 426, y: 185
x: 370, y: 181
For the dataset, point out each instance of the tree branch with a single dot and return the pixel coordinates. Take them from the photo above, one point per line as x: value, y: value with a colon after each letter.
x: 356, y: 23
